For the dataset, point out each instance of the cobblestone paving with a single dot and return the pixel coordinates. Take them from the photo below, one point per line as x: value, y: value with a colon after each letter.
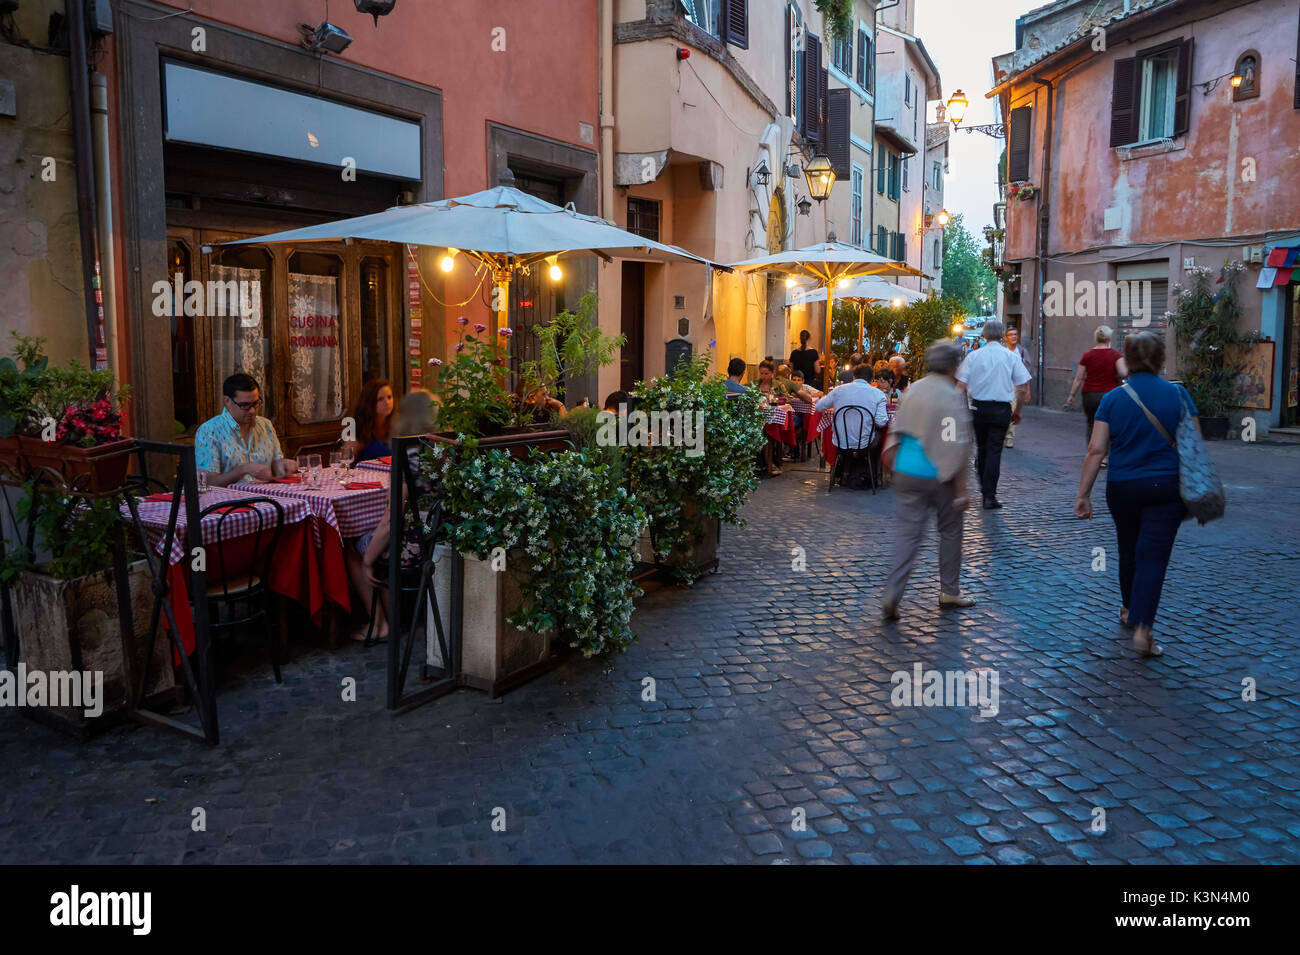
x: 773, y: 695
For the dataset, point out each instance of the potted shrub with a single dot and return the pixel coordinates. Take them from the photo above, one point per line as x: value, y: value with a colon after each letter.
x: 548, y: 545
x: 66, y: 608
x: 473, y: 401
x: 687, y: 496
x: 21, y: 377
x: 1205, y: 323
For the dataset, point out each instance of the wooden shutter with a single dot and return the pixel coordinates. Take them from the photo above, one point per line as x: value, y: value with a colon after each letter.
x: 812, y: 86
x: 863, y: 42
x: 837, y: 132
x: 789, y: 64
x: 735, y: 14
x: 1183, y: 104
x: 1297, y: 69
x: 1018, y: 136
x: 821, y: 103
x: 880, y: 169
x: 1124, y: 103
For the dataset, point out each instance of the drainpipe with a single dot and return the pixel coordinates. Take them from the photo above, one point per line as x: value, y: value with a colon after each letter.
x: 607, y: 109
x: 104, y: 201
x: 79, y: 69
x: 1044, y: 199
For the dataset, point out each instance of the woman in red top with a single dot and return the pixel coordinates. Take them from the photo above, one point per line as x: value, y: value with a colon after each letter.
x: 1101, y: 369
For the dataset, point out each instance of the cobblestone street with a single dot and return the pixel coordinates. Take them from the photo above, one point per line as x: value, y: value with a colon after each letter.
x: 773, y: 695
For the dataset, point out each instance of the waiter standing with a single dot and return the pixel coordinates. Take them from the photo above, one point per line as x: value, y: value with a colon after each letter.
x: 994, y: 377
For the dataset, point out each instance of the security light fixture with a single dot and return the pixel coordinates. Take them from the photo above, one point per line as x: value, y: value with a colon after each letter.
x: 762, y: 175
x: 376, y: 8
x: 325, y: 38
x: 804, y: 206
x: 821, y: 177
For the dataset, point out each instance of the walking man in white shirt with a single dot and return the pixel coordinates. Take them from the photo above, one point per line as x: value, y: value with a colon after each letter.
x: 1011, y: 338
x: 994, y: 377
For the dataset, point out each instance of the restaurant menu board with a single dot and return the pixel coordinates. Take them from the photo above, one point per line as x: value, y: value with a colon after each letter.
x: 415, y: 310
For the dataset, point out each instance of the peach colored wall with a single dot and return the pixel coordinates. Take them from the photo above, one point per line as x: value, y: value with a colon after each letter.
x: 544, y: 82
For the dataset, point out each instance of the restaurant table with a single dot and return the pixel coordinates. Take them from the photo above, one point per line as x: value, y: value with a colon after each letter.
x: 825, y: 428
x: 778, y: 424
x: 337, y: 514
x: 294, y: 572
x: 376, y: 464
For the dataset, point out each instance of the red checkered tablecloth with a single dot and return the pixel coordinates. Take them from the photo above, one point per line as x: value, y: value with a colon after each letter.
x: 801, y: 406
x: 350, y: 513
x: 155, y: 514
x: 374, y: 464
x: 778, y: 415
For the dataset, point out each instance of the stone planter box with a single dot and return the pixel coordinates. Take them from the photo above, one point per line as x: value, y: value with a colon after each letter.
x: 72, y: 625
x: 495, y: 656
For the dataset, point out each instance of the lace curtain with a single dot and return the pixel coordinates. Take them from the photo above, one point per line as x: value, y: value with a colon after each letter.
x: 315, y: 347
x: 239, y: 340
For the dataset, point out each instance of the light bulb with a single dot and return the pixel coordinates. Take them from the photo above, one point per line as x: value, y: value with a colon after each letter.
x: 556, y: 273
x: 843, y: 283
x: 789, y: 283
x: 448, y: 261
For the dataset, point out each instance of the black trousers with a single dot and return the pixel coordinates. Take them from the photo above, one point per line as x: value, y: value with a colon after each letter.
x: 1091, y: 402
x: 1147, y: 514
x: 990, y: 420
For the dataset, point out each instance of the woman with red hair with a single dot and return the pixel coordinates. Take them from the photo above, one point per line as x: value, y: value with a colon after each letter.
x: 373, y: 415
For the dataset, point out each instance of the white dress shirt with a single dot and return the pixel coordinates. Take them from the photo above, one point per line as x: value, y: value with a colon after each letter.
x: 993, y: 373
x: 858, y: 394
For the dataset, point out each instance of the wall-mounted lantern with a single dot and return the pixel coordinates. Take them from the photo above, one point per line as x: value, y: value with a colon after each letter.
x: 376, y: 8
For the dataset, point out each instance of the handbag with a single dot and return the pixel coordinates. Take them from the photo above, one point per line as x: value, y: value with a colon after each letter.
x: 1198, y: 479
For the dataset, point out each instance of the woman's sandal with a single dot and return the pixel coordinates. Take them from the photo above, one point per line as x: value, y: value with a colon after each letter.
x: 1123, y: 618
x: 1148, y: 649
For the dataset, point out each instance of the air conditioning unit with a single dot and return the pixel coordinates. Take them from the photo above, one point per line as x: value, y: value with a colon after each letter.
x: 1253, y: 254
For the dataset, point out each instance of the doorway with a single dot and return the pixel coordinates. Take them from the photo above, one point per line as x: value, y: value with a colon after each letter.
x: 632, y: 354
x: 1290, y: 416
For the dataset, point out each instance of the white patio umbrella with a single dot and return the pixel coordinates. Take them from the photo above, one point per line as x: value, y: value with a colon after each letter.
x: 502, y: 227
x: 828, y: 263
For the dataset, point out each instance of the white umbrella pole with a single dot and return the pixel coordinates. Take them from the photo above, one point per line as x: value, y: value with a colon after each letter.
x: 828, y: 368
x: 502, y: 298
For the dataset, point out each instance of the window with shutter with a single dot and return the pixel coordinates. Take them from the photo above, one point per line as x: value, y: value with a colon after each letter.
x: 1123, y: 102
x: 893, y: 176
x: 882, y: 156
x: 882, y: 241
x: 812, y: 85
x: 1022, y: 122
x: 735, y: 19
x: 855, y: 211
x: 837, y: 131
x: 864, y: 43
x: 906, y: 167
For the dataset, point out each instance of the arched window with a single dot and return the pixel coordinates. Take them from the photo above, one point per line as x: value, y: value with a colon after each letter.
x: 1248, y: 69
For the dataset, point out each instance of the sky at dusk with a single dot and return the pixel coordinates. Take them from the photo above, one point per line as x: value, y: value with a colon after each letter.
x: 962, y: 37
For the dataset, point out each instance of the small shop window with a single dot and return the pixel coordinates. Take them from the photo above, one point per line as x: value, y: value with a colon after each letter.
x: 374, y: 318
x: 315, y: 337
x: 240, y: 336
x: 643, y: 218
x: 184, y: 371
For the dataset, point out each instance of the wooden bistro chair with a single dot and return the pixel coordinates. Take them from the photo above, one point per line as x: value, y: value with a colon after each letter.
x: 239, y: 595
x: 849, y: 421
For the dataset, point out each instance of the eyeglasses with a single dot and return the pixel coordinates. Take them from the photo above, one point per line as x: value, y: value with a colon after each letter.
x: 245, y: 405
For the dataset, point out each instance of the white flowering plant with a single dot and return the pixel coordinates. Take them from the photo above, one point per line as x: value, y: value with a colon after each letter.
x: 571, y: 519
x: 678, y: 490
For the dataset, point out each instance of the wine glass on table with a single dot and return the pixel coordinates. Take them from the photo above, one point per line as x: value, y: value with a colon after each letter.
x: 304, y: 467
x: 313, y: 462
x: 347, y: 455
x: 336, y: 466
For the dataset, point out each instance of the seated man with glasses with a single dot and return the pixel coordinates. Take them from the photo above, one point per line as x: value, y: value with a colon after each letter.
x: 239, y: 444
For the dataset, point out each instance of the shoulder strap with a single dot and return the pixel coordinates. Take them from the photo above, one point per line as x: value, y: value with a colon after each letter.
x: 1150, y: 417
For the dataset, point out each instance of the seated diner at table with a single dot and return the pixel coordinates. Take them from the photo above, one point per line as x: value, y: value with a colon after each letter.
x: 735, y: 372
x: 859, y: 394
x: 538, y: 407
x: 239, y: 444
x: 368, y: 559
x: 774, y: 391
x: 373, y: 415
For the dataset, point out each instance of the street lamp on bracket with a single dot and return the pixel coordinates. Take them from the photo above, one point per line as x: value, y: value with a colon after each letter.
x: 957, y: 105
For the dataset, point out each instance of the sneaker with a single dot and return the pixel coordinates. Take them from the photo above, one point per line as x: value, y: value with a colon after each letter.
x: 1010, y: 443
x: 951, y: 601
x: 991, y: 504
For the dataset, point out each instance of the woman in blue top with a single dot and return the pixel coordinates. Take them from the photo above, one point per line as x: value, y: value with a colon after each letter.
x: 1142, y: 490
x: 373, y: 415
